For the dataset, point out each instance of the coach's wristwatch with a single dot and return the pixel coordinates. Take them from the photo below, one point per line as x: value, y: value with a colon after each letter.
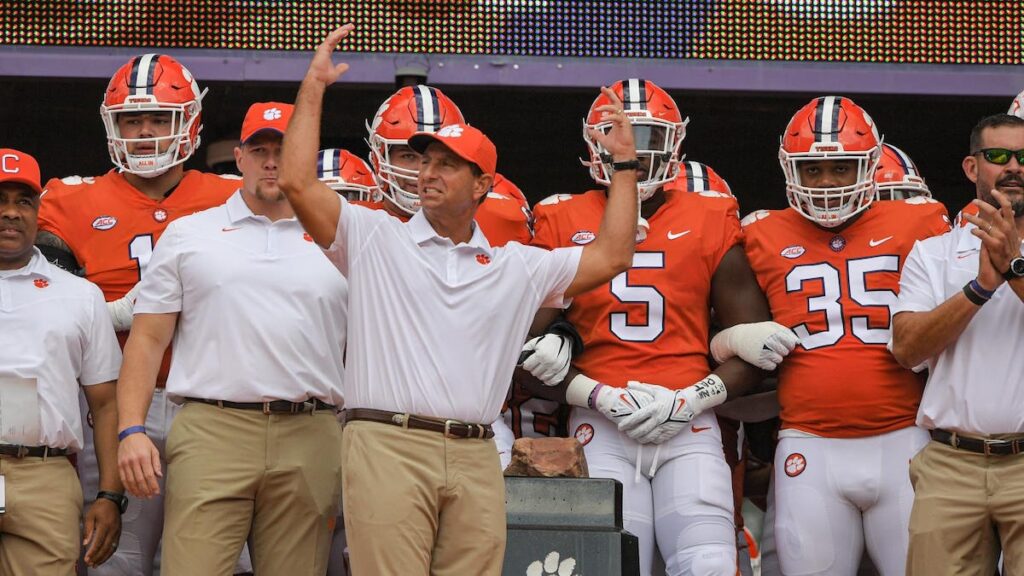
x: 1016, y: 269
x: 120, y: 499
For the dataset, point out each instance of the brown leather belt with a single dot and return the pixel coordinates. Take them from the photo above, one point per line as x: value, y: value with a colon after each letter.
x: 272, y: 407
x: 986, y: 446
x: 450, y: 428
x: 19, y: 451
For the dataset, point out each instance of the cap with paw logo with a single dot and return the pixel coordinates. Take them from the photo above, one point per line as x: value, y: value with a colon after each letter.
x: 263, y: 116
x: 465, y: 141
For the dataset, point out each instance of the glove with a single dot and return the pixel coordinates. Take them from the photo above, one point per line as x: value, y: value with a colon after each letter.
x: 550, y: 360
x: 614, y: 403
x: 121, y: 310
x: 761, y: 344
x: 670, y: 410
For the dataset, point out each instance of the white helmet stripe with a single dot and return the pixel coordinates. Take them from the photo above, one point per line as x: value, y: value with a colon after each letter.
x: 426, y: 105
x: 632, y: 92
x: 144, y: 76
x: 697, y: 176
x: 828, y: 116
x: 908, y: 164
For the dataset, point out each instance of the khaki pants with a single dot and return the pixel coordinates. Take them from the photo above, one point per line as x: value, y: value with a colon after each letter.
x: 966, y: 507
x: 39, y: 532
x: 230, y: 472
x: 417, y: 503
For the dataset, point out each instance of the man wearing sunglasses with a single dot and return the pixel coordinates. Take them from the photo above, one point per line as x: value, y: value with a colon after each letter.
x: 960, y: 310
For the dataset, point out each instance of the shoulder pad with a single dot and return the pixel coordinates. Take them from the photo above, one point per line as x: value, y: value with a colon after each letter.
x: 920, y: 200
x: 77, y: 180
x: 555, y: 199
x: 754, y: 217
x: 713, y: 194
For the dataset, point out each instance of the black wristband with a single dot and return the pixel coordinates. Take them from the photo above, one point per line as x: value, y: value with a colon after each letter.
x: 974, y: 297
x: 120, y: 499
x: 633, y: 164
x: 563, y: 327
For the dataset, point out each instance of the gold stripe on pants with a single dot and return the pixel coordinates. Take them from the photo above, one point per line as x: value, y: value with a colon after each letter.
x: 418, y: 503
x: 39, y: 532
x: 966, y: 507
x: 231, y: 471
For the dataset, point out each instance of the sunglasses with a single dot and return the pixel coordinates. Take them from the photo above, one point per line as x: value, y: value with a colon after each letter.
x: 1001, y: 156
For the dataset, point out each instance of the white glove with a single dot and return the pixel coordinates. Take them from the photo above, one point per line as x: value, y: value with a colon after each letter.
x: 671, y: 410
x: 550, y: 360
x: 761, y: 344
x: 121, y: 310
x: 614, y: 403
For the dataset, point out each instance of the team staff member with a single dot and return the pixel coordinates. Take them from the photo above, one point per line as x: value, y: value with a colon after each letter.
x: 108, y: 225
x: 830, y: 265
x: 56, y: 337
x: 960, y: 310
x: 258, y: 315
x: 427, y: 494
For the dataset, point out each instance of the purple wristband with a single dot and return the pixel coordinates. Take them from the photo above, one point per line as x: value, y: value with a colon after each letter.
x: 592, y: 399
x: 129, y: 431
x: 980, y: 291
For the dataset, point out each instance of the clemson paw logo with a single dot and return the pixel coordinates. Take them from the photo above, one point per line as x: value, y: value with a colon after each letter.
x: 272, y: 114
x: 483, y: 259
x: 307, y: 237
x: 584, y: 434
x: 453, y: 131
x: 795, y: 464
x: 40, y: 283
x: 552, y: 566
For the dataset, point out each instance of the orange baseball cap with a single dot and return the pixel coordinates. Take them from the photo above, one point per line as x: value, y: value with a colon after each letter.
x: 19, y: 167
x: 465, y: 141
x: 266, y: 116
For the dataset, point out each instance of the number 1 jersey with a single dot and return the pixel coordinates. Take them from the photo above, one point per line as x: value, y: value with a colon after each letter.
x: 835, y: 290
x: 651, y: 322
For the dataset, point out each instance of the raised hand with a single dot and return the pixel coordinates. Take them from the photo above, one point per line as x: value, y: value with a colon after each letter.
x: 322, y: 68
x: 619, y: 139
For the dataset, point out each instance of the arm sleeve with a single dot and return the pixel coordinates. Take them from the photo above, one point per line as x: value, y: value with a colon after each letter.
x: 545, y: 233
x: 101, y: 354
x: 355, y: 226
x: 917, y: 293
x: 160, y: 291
x: 731, y: 231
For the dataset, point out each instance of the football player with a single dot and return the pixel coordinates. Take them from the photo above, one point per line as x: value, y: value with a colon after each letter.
x: 504, y: 216
x: 642, y: 387
x: 1017, y: 106
x: 105, y: 228
x: 348, y: 175
x: 897, y: 177
x: 830, y: 265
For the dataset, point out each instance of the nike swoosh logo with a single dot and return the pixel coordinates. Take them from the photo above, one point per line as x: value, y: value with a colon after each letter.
x: 672, y: 236
x: 230, y: 228
x: 874, y: 242
x: 695, y: 429
x: 962, y: 255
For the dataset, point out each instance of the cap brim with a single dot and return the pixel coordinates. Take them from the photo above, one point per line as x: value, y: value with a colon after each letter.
x: 419, y: 142
x: 33, y: 186
x: 261, y: 131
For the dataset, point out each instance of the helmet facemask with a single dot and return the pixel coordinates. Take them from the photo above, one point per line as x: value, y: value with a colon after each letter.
x: 830, y: 207
x: 657, y: 148
x: 395, y: 180
x: 180, y: 144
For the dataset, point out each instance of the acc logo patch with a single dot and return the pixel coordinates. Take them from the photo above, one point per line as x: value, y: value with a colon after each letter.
x: 794, y: 251
x: 795, y: 464
x: 583, y: 237
x: 160, y: 215
x: 104, y: 222
x: 584, y: 433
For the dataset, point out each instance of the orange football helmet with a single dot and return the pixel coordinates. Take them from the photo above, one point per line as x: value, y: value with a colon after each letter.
x: 697, y: 177
x: 412, y: 109
x: 658, y: 129
x: 347, y: 174
x: 1017, y: 106
x: 153, y: 83
x: 830, y: 128
x: 897, y: 177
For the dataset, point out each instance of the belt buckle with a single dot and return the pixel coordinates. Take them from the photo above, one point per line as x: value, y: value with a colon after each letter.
x: 988, y: 443
x: 266, y: 408
x: 22, y: 451
x: 448, y: 429
x: 400, y: 420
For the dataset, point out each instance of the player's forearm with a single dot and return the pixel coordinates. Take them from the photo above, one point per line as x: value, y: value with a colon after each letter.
x: 102, y: 405
x: 739, y: 377
x: 316, y: 206
x: 918, y: 336
x: 612, y: 252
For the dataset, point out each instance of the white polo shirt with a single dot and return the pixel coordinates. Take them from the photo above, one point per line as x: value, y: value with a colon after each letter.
x: 976, y: 385
x: 262, y: 311
x: 436, y: 328
x: 55, y: 328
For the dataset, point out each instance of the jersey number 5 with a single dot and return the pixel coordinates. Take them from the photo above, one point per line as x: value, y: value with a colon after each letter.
x: 828, y: 302
x: 647, y: 295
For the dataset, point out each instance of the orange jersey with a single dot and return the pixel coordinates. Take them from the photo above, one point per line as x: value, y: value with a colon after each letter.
x: 835, y: 291
x: 111, y: 227
x: 651, y: 322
